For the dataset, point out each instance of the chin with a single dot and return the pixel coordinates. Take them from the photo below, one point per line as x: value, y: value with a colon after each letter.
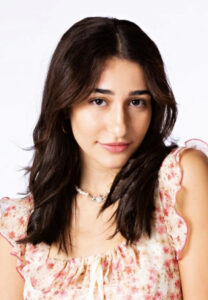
x: 115, y: 165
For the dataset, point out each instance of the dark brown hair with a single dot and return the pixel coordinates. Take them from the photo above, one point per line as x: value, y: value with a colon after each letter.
x: 74, y: 70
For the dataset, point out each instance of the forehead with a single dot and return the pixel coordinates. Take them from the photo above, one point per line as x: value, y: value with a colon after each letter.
x: 122, y: 73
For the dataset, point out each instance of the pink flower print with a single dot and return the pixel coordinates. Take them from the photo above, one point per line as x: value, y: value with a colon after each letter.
x: 174, y: 261
x: 116, y: 265
x: 158, y: 295
x: 60, y: 274
x: 148, y: 297
x: 11, y: 207
x: 121, y: 251
x: 167, y: 196
x: 167, y: 263
x: 165, y: 212
x: 153, y: 279
x: 39, y: 268
x: 180, y: 223
x: 55, y: 293
x: 178, y: 284
x: 161, y: 229
x: 171, y: 175
x: 128, y: 297
x: 105, y: 263
x: 11, y: 235
x: 29, y: 199
x: 173, y: 296
x: 170, y: 275
x: 61, y: 293
x: 152, y: 271
x: 21, y: 220
x: 161, y: 219
x: 134, y: 289
x: 171, y: 165
x: 33, y: 281
x: 50, y: 266
x: 165, y: 249
x: 158, y: 209
x: 128, y: 270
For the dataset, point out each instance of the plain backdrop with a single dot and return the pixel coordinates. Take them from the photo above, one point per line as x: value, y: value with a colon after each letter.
x: 29, y: 33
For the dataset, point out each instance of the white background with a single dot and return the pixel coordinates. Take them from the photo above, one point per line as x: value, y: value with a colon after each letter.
x: 29, y: 32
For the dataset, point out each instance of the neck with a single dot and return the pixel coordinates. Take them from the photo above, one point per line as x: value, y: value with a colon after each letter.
x: 96, y: 180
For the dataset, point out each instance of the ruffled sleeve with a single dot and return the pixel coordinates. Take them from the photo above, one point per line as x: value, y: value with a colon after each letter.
x: 14, y: 215
x: 170, y: 178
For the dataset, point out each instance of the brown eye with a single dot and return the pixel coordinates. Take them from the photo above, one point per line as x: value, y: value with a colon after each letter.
x: 138, y: 102
x: 98, y: 102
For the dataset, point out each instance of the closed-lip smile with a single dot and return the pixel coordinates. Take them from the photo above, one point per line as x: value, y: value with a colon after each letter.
x: 115, y: 147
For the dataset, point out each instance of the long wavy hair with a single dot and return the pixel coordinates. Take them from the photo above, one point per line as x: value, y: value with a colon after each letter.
x: 74, y: 70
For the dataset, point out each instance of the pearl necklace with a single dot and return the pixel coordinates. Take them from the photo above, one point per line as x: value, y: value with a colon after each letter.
x: 99, y: 198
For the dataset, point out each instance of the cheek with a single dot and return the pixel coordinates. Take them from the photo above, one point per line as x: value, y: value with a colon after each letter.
x: 83, y: 124
x: 143, y: 123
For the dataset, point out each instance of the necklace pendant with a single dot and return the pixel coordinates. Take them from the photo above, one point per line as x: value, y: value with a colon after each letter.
x: 98, y: 199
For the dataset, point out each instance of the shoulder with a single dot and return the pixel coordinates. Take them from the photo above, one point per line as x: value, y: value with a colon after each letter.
x: 183, y: 192
x: 194, y: 188
x: 15, y: 206
x: 14, y: 215
x: 186, y: 169
x: 194, y: 164
x: 188, y: 160
x: 193, y: 203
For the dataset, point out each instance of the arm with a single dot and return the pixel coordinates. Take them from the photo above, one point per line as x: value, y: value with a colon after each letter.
x: 11, y: 282
x: 193, y: 200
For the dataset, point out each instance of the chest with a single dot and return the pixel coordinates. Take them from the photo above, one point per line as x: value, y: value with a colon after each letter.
x: 89, y: 234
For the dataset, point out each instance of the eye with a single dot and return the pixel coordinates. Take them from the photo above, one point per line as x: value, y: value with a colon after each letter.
x: 138, y: 103
x: 98, y: 102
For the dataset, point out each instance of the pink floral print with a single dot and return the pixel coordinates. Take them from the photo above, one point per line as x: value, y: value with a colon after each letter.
x: 147, y: 270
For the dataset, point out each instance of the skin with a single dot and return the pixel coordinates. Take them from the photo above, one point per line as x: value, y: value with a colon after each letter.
x: 192, y: 203
x: 119, y: 120
x: 116, y: 117
x: 110, y: 114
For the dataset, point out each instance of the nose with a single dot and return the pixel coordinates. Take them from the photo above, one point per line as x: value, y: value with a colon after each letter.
x: 117, y: 121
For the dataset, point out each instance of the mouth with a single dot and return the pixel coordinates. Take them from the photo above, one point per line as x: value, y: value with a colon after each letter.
x: 115, y: 147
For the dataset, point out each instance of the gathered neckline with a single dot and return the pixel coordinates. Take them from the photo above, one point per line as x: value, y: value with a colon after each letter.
x: 119, y: 248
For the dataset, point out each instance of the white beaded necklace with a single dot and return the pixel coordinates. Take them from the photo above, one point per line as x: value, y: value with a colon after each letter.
x: 99, y: 198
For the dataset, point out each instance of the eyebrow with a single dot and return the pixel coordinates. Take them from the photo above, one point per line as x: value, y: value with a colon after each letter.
x: 132, y: 93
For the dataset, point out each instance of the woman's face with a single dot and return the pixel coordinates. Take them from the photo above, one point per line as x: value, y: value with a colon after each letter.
x: 111, y: 124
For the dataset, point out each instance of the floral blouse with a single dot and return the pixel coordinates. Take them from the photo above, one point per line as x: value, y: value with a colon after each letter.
x: 148, y: 270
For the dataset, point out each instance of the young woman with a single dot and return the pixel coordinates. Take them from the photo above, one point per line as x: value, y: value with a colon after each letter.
x: 111, y: 211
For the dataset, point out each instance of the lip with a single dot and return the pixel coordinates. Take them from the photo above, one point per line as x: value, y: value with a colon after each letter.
x: 115, y: 147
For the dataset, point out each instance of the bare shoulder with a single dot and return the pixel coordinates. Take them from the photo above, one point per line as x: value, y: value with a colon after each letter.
x: 194, y: 160
x: 194, y: 164
x: 193, y: 199
x: 194, y: 193
x: 9, y: 277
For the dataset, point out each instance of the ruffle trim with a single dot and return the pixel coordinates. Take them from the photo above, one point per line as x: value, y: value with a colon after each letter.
x: 90, y: 271
x: 8, y: 233
x: 17, y: 252
x: 89, y: 258
x: 203, y: 147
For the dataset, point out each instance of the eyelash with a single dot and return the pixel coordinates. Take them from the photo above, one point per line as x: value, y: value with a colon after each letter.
x: 144, y: 103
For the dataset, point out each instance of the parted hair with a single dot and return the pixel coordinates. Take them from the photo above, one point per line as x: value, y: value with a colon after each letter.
x: 74, y: 70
